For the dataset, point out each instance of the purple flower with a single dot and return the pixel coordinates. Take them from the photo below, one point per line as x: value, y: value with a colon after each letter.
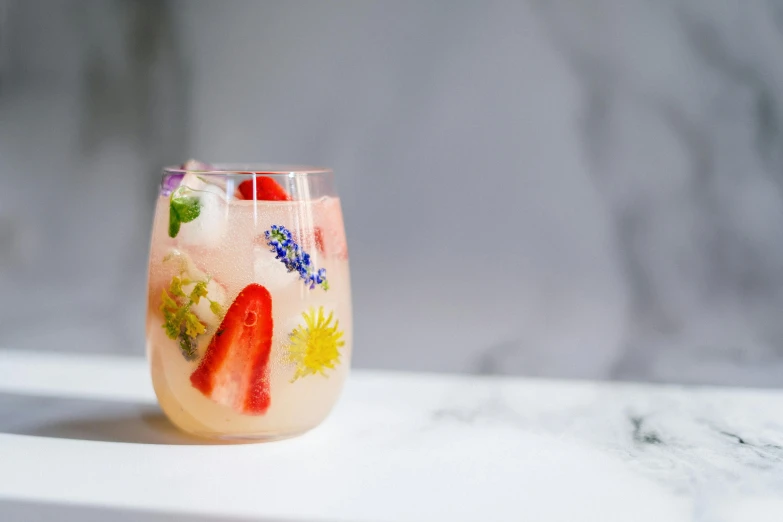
x: 294, y: 258
x: 170, y: 183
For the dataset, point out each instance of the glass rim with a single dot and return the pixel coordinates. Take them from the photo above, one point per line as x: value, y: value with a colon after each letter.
x: 249, y: 169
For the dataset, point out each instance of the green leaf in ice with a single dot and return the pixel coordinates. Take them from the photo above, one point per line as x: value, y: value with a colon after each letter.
x: 179, y: 319
x: 199, y: 291
x: 182, y: 209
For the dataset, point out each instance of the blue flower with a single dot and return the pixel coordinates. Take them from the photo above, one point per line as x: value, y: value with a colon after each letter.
x: 294, y: 258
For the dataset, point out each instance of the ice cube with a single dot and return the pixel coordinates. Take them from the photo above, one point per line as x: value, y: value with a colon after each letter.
x: 270, y: 271
x: 212, y: 184
x: 215, y: 292
x: 196, y: 165
x: 183, y: 266
x: 209, y: 228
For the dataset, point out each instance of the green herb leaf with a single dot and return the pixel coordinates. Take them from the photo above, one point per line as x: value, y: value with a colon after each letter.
x: 215, y: 307
x: 199, y: 291
x: 170, y: 326
x: 182, y: 209
x: 188, y: 207
x: 174, y: 222
x: 193, y: 326
x: 176, y: 287
x: 167, y: 302
x: 179, y: 321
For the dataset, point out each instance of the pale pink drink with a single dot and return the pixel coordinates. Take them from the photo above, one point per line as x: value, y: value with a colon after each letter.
x: 249, y: 310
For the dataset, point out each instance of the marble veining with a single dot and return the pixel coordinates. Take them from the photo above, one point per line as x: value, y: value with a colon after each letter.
x: 694, y: 442
x: 682, y: 128
x: 504, y: 447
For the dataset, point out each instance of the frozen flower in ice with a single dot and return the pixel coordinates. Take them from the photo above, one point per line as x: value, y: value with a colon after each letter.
x: 315, y: 345
x: 294, y: 258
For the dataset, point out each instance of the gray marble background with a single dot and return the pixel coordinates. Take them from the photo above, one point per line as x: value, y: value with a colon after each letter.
x: 561, y: 188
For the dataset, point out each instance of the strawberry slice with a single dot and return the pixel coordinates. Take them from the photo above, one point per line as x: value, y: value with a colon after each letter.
x: 267, y: 189
x: 235, y: 369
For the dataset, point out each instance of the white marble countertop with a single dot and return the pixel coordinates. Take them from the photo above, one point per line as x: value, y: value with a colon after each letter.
x: 81, y: 438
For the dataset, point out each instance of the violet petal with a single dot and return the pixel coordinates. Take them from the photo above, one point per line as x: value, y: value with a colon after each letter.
x: 170, y: 183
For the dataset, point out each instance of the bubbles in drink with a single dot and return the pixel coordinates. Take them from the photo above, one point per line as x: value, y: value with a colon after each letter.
x: 212, y: 223
x: 270, y: 272
x: 261, y: 366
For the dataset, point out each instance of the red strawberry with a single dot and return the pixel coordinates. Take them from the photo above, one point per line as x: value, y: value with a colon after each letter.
x: 267, y: 189
x: 235, y: 369
x: 319, y: 239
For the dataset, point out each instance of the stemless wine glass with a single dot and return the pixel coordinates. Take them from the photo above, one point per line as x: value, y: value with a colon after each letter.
x: 249, y: 306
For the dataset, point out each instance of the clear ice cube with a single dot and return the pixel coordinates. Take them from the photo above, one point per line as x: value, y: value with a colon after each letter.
x: 209, y: 228
x: 215, y: 292
x: 270, y: 271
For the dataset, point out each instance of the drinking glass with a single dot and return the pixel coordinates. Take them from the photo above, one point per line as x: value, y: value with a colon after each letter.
x: 249, y: 304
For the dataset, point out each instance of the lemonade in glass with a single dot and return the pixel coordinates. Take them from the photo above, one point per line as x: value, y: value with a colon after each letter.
x: 249, y: 304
